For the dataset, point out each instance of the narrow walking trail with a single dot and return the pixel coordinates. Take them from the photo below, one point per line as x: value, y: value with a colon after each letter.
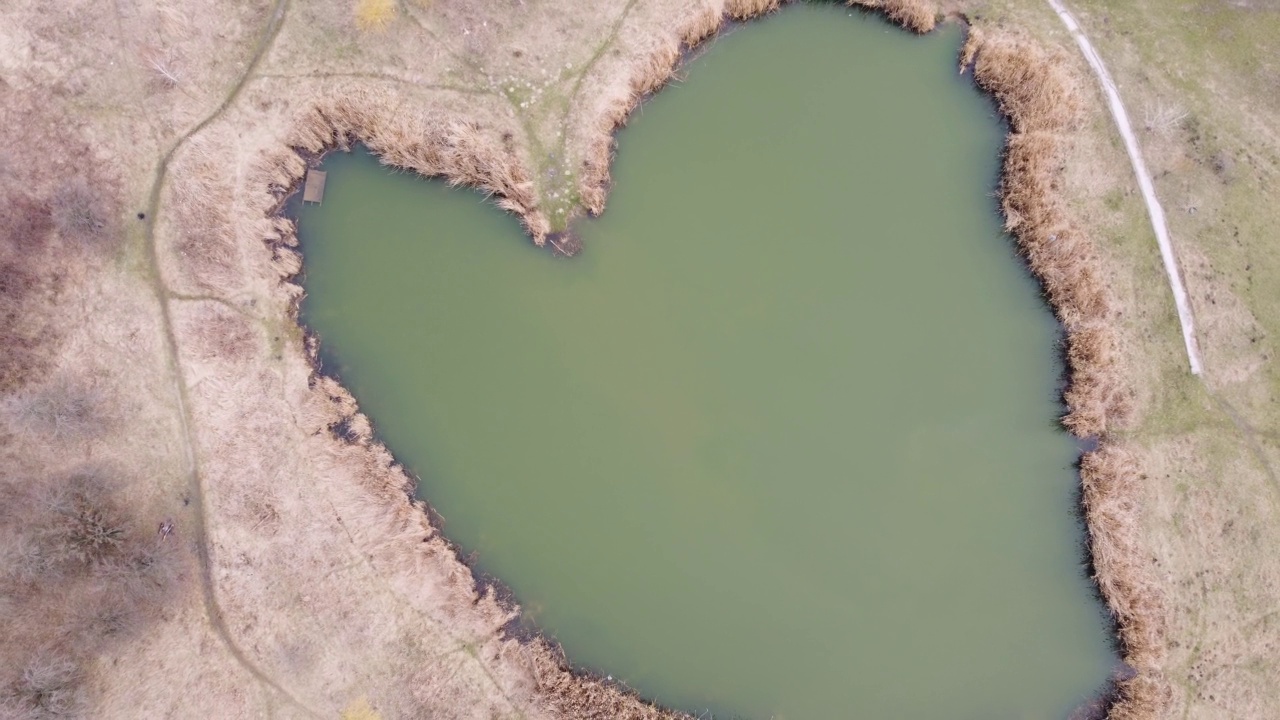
x: 1154, y: 210
x: 164, y: 296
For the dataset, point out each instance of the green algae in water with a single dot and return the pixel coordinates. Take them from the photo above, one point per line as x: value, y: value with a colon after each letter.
x: 780, y: 442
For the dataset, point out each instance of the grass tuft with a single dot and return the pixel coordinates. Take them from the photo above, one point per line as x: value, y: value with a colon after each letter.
x: 374, y: 15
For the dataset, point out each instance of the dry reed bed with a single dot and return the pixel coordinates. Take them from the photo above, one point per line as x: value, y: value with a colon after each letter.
x: 1042, y: 101
x: 460, y: 153
x: 1040, y: 98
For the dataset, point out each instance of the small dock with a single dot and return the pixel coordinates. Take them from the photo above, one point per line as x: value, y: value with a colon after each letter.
x: 313, y: 191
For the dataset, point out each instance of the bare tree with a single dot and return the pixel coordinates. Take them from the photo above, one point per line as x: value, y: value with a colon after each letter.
x: 1160, y: 118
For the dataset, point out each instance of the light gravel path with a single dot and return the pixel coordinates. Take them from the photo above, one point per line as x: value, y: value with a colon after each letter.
x: 1144, y: 182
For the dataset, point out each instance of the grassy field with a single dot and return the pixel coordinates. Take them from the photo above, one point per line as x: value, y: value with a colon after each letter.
x: 182, y: 533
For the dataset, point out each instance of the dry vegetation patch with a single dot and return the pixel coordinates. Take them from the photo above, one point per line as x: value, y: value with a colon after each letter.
x: 1039, y: 95
x: 25, y: 282
x: 80, y: 572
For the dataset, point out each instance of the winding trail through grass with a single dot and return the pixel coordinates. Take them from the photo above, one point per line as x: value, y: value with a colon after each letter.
x: 163, y: 295
x: 195, y: 481
x: 1154, y: 210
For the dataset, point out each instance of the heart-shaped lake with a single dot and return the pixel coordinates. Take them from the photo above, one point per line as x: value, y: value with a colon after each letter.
x: 780, y: 442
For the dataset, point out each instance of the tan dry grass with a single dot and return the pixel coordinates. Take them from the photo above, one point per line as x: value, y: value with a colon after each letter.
x: 1112, y: 494
x: 461, y: 153
x: 918, y: 16
x: 749, y: 9
x: 374, y: 15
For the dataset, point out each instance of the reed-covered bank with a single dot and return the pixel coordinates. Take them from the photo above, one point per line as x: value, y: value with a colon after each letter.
x: 1040, y: 99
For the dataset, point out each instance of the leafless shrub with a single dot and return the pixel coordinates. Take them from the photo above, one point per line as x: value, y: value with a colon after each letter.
x: 31, y: 559
x: 92, y: 534
x: 25, y: 223
x: 80, y: 211
x: 49, y: 687
x: 1162, y: 119
x: 105, y: 616
x: 25, y: 336
x: 62, y: 408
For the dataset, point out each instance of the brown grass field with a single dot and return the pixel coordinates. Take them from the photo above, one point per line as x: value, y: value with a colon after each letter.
x: 183, y: 533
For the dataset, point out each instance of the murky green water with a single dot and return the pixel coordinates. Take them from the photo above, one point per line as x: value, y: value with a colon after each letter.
x: 780, y: 442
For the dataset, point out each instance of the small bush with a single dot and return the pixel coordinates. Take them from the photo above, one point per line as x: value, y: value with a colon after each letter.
x: 49, y: 688
x: 79, y: 212
x: 63, y: 408
x: 91, y: 534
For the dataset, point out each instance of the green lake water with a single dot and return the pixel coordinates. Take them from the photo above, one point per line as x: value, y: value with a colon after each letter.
x: 781, y: 442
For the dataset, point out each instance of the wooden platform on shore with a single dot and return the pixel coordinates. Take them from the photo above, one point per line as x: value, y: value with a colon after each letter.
x: 313, y: 191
